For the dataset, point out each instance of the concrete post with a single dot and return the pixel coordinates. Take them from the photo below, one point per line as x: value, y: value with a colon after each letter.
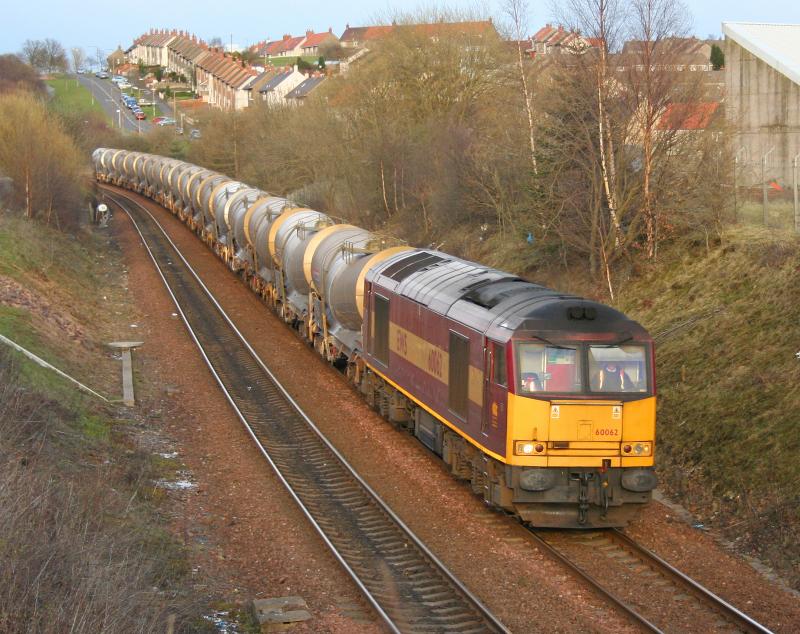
x: 125, y: 348
x: 764, y: 184
x: 736, y: 184
x: 796, y: 205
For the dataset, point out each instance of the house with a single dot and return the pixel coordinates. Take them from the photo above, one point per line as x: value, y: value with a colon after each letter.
x: 222, y: 81
x: 275, y: 89
x: 355, y: 37
x: 116, y: 60
x: 688, y: 117
x: 303, y: 89
x: 525, y: 46
x: 313, y: 41
x: 551, y: 40
x: 151, y: 48
x: 183, y: 55
x: 287, y: 46
x: 762, y: 81
x: 679, y: 54
x: 358, y: 36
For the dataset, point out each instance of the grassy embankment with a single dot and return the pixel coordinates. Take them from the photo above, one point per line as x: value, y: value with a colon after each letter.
x: 94, y: 545
x: 725, y: 319
x: 73, y: 96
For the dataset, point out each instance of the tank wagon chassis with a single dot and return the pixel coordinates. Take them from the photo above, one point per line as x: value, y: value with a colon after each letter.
x: 543, y: 402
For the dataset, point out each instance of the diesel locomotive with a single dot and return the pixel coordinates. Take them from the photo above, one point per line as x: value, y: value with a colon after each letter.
x: 544, y: 402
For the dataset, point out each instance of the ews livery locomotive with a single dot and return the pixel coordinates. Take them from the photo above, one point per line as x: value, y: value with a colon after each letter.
x: 544, y: 402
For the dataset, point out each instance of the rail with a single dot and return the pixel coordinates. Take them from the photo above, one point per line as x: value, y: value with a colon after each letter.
x: 407, y: 585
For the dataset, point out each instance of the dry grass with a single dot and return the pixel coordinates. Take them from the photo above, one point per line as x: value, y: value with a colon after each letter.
x: 725, y: 320
x: 79, y: 551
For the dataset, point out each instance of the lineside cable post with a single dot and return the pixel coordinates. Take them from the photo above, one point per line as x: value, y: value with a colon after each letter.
x: 125, y: 347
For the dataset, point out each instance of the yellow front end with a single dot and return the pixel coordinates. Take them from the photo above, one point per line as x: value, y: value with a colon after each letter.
x: 580, y: 433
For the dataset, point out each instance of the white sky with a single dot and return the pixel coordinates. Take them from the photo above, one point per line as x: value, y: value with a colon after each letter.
x: 92, y: 23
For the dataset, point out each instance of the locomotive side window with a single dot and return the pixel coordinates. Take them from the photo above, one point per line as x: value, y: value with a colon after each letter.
x: 617, y: 369
x: 380, y: 330
x: 499, y: 364
x: 543, y: 368
x: 459, y: 374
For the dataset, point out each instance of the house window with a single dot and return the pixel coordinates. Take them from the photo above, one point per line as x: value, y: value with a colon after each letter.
x: 458, y: 396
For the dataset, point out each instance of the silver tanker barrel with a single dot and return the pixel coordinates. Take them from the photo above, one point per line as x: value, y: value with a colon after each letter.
x: 97, y: 161
x: 336, y: 266
x: 207, y: 187
x: 116, y: 165
x: 139, y: 169
x: 152, y: 171
x: 179, y: 188
x: 105, y: 164
x: 259, y: 220
x: 234, y: 213
x: 289, y: 236
x: 191, y: 195
x: 129, y: 169
x: 332, y: 251
x: 220, y: 196
x: 164, y: 165
x: 174, y: 179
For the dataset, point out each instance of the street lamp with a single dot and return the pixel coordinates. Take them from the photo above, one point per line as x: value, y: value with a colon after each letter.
x: 119, y: 118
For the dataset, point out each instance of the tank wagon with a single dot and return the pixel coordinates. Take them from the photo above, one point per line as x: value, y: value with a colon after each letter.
x: 544, y: 402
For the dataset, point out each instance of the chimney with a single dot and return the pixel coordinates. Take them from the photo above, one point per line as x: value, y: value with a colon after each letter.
x: 347, y: 26
x: 287, y: 37
x: 309, y: 33
x: 330, y: 30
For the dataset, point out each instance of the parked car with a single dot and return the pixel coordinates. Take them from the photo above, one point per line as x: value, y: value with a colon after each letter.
x: 101, y: 74
x: 158, y: 120
x: 167, y: 121
x: 122, y: 85
x: 194, y: 133
x: 140, y: 115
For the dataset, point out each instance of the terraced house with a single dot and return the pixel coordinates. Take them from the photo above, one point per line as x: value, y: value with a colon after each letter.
x: 223, y: 82
x: 151, y: 48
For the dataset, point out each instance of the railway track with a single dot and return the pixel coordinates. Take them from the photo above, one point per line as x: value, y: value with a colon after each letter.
x: 407, y: 585
x: 689, y: 599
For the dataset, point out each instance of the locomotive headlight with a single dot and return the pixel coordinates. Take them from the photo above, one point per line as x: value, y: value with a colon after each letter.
x: 528, y: 448
x: 642, y: 448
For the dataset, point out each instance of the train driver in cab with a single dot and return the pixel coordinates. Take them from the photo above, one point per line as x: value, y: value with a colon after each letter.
x: 613, y: 378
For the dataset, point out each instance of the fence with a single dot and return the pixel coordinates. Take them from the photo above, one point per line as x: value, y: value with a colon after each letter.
x: 766, y: 190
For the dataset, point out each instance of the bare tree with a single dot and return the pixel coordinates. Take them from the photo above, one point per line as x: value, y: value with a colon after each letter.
x: 46, y: 56
x: 78, y: 58
x: 34, y: 54
x: 517, y: 12
x: 657, y: 29
x: 601, y: 22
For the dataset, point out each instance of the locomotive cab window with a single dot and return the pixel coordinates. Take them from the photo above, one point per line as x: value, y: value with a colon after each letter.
x: 615, y: 369
x: 547, y: 368
x: 498, y: 361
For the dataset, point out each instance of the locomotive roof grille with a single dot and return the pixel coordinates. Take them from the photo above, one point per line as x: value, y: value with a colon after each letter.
x: 490, y: 294
x: 410, y: 265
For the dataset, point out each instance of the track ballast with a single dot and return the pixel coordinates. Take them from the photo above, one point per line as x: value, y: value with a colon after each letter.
x: 411, y: 590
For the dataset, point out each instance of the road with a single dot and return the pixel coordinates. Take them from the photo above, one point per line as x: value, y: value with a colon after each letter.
x: 109, y: 96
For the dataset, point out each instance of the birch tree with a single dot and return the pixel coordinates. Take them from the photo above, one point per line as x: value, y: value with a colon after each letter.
x: 517, y: 11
